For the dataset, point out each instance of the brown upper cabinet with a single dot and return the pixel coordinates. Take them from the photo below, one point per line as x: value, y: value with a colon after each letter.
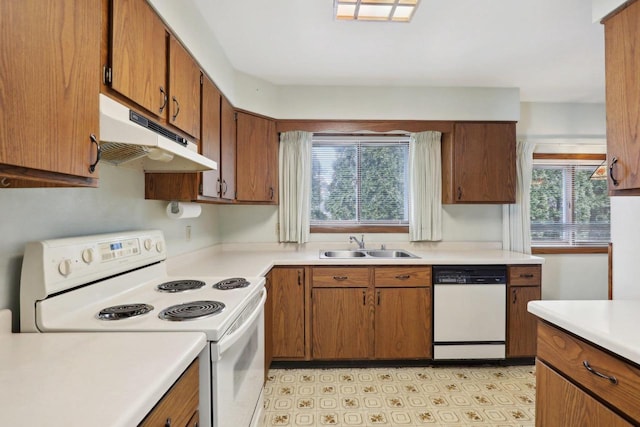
x: 184, y: 89
x: 49, y: 96
x: 479, y: 163
x: 227, y: 164
x: 138, y: 55
x: 257, y: 159
x: 138, y: 68
x: 210, y: 142
x: 622, y: 65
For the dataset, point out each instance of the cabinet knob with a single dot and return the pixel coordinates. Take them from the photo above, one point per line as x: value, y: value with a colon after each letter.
x: 613, y: 180
x: 612, y: 379
x: 175, y: 100
x: 94, y: 140
x: 168, y: 423
x: 164, y: 99
x: 459, y: 193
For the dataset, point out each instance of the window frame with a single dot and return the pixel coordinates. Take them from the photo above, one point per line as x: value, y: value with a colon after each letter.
x: 558, y: 249
x: 361, y: 228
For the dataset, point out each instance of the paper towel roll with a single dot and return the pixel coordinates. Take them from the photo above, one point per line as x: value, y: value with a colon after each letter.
x: 185, y: 210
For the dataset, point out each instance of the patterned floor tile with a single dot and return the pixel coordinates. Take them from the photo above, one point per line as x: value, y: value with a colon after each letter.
x: 425, y: 396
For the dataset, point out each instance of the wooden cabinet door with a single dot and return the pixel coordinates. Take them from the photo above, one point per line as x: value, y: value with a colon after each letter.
x: 210, y: 142
x: 49, y: 88
x: 403, y: 323
x: 138, y: 55
x: 228, y: 150
x: 287, y: 284
x: 483, y: 162
x: 521, y: 325
x: 257, y: 159
x: 184, y: 90
x: 622, y: 65
x: 560, y: 403
x: 341, y: 323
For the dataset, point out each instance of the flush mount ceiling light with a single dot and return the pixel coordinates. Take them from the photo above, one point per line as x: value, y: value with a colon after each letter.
x: 375, y: 10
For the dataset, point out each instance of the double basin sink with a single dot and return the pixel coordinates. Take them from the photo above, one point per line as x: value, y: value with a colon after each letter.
x: 367, y: 253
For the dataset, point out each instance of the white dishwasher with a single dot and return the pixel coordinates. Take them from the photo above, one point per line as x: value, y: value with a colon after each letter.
x: 469, y: 312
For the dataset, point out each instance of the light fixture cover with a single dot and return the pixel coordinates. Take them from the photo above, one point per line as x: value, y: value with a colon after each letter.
x: 375, y: 10
x: 600, y: 172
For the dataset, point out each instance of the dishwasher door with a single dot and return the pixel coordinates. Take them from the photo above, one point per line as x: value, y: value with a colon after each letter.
x: 469, y: 321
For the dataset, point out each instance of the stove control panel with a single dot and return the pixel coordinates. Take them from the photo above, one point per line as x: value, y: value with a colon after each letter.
x: 118, y: 249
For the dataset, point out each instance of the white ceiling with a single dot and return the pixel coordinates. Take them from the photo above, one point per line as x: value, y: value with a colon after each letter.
x: 549, y: 49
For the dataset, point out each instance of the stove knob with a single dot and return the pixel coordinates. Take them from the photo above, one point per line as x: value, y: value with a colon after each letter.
x: 65, y: 267
x: 147, y: 244
x: 87, y: 256
x: 159, y: 246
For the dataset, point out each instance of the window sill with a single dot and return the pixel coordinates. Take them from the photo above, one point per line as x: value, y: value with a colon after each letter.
x: 540, y: 250
x: 360, y: 229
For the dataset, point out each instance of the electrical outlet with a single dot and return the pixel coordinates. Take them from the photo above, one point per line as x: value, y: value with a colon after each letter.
x: 187, y: 233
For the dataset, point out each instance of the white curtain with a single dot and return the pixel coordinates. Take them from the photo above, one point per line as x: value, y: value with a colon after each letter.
x: 516, y: 220
x: 425, y: 187
x: 295, y: 186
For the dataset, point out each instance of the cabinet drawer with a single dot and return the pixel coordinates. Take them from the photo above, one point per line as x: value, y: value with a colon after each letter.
x: 180, y: 403
x: 402, y: 276
x: 568, y: 355
x: 524, y: 275
x: 341, y: 277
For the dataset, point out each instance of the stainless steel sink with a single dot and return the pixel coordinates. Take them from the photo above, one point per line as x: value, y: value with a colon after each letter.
x: 342, y: 254
x: 395, y: 253
x: 367, y: 253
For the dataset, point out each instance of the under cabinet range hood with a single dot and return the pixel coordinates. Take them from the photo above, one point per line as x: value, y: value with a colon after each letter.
x: 126, y: 136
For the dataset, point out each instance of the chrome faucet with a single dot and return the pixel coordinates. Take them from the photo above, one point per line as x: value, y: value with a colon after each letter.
x: 359, y: 242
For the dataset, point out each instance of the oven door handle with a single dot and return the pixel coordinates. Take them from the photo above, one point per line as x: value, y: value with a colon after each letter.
x: 228, y: 340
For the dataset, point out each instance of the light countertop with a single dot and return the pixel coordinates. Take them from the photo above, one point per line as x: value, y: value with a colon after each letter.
x: 612, y: 325
x: 80, y: 379
x: 257, y: 259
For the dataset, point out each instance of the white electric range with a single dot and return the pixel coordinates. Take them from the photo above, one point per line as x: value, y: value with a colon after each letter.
x: 119, y: 282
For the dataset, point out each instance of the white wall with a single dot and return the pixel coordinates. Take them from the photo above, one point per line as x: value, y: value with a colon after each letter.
x: 625, y: 235
x: 117, y: 204
x: 577, y: 276
x: 601, y: 8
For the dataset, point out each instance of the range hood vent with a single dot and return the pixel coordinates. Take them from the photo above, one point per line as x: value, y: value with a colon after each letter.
x: 126, y: 136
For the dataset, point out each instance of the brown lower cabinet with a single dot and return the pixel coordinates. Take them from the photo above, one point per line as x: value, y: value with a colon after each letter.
x: 578, y: 384
x: 341, y: 323
x: 179, y: 406
x: 288, y: 312
x: 524, y: 285
x: 560, y: 403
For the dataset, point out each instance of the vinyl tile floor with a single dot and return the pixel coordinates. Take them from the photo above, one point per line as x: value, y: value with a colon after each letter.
x: 424, y: 396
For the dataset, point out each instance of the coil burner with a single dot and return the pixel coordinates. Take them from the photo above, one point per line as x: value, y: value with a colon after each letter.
x: 180, y: 286
x: 191, y: 310
x: 125, y: 311
x: 233, y: 283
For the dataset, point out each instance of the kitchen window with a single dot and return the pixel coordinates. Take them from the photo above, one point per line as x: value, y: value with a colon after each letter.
x: 360, y: 183
x: 568, y: 208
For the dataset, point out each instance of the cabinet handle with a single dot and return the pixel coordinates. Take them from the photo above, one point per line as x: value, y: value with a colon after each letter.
x: 459, y: 193
x: 164, y: 99
x: 613, y: 162
x: 4, y: 182
x: 403, y: 277
x: 173, y: 118
x: 94, y: 140
x: 168, y: 423
x: 299, y: 278
x: 378, y: 297
x: 527, y: 276
x: 224, y: 187
x: 364, y: 297
x: 218, y: 187
x: 271, y: 193
x: 340, y: 278
x: 515, y: 296
x: 612, y: 379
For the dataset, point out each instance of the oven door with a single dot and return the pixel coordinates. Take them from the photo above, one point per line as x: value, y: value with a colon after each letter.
x: 237, y: 371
